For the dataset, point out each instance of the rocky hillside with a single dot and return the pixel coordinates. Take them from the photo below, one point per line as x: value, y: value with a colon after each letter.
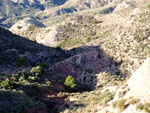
x: 132, y: 96
x: 29, y: 85
x: 127, y: 26
x: 77, y: 5
x: 14, y: 10
x: 91, y: 64
x: 17, y: 52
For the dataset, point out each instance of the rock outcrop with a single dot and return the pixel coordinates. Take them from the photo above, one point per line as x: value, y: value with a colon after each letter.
x: 94, y: 61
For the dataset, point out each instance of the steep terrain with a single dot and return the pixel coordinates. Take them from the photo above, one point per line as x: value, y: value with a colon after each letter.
x: 27, y: 28
x: 14, y: 47
x: 29, y: 83
x: 124, y: 26
x: 133, y: 95
x: 84, y: 64
x: 14, y: 10
x: 77, y: 5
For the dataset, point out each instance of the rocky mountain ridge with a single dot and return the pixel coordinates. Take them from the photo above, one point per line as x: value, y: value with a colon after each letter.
x: 77, y: 5
x: 13, y: 10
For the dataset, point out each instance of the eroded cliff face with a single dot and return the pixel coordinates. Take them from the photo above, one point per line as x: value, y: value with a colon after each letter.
x: 96, y: 61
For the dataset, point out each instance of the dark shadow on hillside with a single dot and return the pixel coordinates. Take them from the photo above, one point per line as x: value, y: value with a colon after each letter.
x: 31, y: 96
x: 13, y: 47
x: 12, y: 102
x: 83, y: 63
x: 107, y: 10
x: 16, y: 102
x: 92, y: 57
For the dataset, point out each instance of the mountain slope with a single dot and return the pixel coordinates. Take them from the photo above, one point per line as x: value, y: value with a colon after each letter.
x: 77, y: 5
x: 14, y: 47
x: 13, y: 10
x: 123, y: 28
x: 99, y: 53
x: 39, y: 89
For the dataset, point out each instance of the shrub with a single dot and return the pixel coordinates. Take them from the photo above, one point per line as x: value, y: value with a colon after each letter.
x: 133, y: 101
x: 38, y: 70
x: 8, y: 84
x: 120, y: 104
x: 33, y: 78
x: 70, y: 83
x: 106, y: 100
x: 94, y: 21
x: 21, y: 75
x: 87, y: 39
x: 114, y: 104
x: 43, y: 65
x: 93, y: 99
x: 140, y: 106
x: 19, y: 27
x: 145, y: 106
x: 20, y: 62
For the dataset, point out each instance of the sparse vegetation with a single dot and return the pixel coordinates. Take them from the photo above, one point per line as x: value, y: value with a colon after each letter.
x: 145, y: 107
x: 125, y: 45
x: 120, y: 104
x: 70, y: 42
x: 91, y: 99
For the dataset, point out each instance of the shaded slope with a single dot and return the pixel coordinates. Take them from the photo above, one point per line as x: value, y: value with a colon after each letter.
x: 13, y: 47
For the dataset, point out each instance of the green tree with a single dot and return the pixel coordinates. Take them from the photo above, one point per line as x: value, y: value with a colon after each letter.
x: 70, y: 83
